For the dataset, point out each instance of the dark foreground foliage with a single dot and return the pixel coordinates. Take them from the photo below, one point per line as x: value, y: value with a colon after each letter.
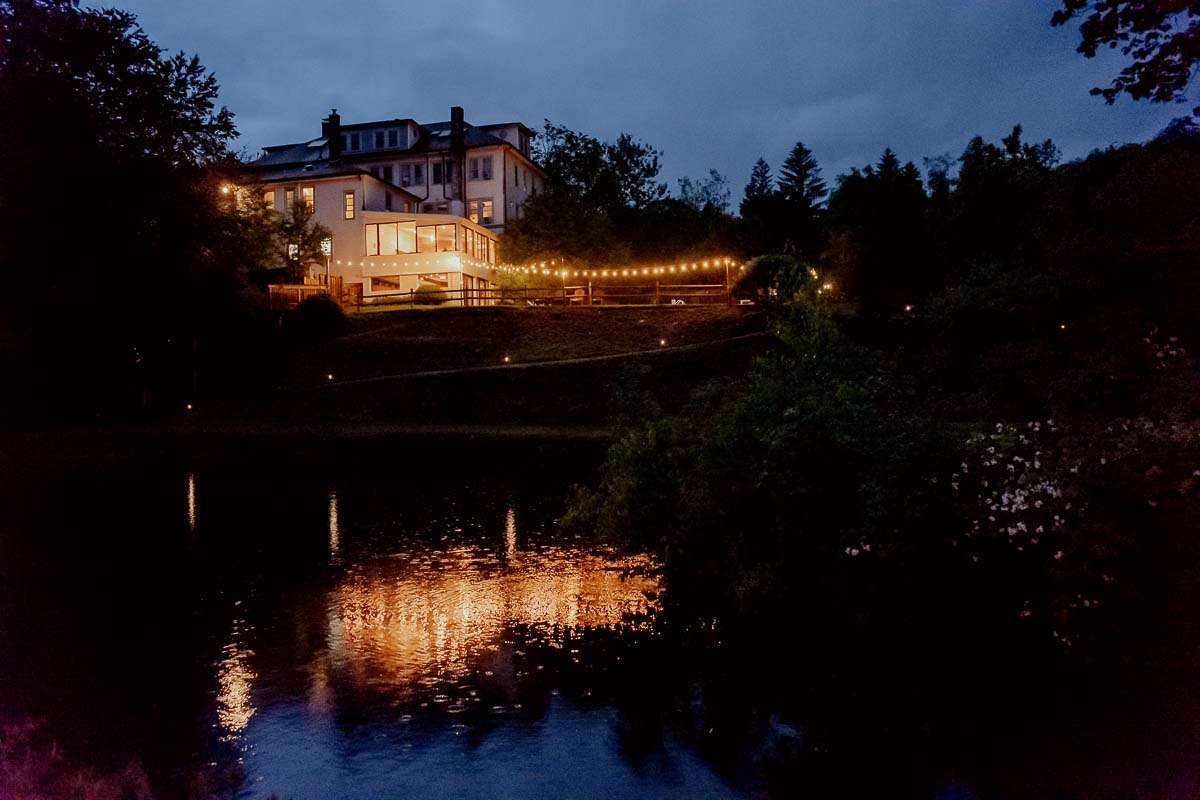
x: 1006, y: 476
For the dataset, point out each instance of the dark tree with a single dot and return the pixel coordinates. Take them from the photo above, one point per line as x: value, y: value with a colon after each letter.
x: 761, y: 184
x: 879, y: 242
x: 993, y: 215
x: 300, y: 240
x: 604, y: 176
x: 713, y: 192
x: 111, y: 204
x: 801, y: 194
x: 1161, y: 37
x: 603, y: 204
x: 800, y: 179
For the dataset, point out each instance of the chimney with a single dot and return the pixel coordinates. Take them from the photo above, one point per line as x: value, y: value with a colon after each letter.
x: 331, y: 132
x: 458, y: 155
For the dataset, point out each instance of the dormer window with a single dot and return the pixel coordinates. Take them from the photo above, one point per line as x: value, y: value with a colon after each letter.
x: 393, y: 138
x: 355, y: 141
x: 378, y: 140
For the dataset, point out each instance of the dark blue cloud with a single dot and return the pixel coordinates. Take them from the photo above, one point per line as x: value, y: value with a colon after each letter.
x: 712, y: 84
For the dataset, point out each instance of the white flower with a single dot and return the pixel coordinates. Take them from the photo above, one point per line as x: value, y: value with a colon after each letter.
x: 1058, y: 554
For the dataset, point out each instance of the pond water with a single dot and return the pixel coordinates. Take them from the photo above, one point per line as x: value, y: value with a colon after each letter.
x: 349, y: 632
x: 413, y: 627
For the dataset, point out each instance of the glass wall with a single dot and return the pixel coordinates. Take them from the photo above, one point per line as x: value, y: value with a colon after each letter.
x: 402, y: 238
x: 391, y: 238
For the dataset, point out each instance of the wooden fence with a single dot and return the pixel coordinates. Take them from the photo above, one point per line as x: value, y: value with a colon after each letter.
x: 589, y: 295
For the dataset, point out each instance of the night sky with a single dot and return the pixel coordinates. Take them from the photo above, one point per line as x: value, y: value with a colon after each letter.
x: 711, y: 84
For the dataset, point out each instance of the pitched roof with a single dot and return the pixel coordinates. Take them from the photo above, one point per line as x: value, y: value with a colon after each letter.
x: 317, y: 171
x: 434, y: 138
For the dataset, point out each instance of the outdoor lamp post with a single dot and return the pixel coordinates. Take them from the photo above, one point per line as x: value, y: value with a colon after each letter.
x: 327, y: 251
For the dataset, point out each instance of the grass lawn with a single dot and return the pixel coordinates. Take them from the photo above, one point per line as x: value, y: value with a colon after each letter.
x: 295, y: 390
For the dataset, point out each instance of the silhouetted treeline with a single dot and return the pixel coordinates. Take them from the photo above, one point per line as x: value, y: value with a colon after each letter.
x: 1005, y: 470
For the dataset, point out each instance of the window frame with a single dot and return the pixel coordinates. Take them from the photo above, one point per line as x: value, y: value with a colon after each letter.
x: 349, y: 204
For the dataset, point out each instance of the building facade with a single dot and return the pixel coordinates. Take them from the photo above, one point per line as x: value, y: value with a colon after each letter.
x: 409, y: 205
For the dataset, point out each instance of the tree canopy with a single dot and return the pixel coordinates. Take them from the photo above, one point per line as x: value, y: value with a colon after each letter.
x: 1162, y: 39
x: 603, y: 204
x: 114, y: 202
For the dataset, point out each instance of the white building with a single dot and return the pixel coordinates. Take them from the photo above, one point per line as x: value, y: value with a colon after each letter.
x: 409, y: 205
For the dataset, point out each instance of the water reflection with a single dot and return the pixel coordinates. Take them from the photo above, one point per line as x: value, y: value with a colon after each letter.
x: 191, y: 501
x: 437, y: 614
x: 510, y: 534
x: 334, y: 533
x: 235, y: 680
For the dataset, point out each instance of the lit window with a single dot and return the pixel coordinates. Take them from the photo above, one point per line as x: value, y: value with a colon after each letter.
x: 387, y: 239
x: 310, y: 200
x: 406, y: 237
x: 480, y: 212
x: 388, y: 283
x: 446, y: 239
x: 269, y: 199
x: 394, y: 238
x: 426, y: 238
x: 348, y: 204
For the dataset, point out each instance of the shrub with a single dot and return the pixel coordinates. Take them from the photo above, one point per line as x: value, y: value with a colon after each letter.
x: 430, y: 296
x: 319, y: 317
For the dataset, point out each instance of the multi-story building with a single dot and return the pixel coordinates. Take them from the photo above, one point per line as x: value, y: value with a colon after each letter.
x: 409, y: 205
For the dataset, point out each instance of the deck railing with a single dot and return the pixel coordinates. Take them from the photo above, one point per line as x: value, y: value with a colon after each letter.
x: 594, y: 295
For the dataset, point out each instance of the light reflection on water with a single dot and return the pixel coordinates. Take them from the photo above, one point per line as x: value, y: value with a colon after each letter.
x: 420, y: 615
x: 191, y: 501
x: 235, y: 678
x: 334, y: 534
x: 421, y: 629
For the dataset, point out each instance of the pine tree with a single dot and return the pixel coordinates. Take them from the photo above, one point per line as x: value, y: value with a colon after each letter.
x: 760, y: 184
x: 800, y: 179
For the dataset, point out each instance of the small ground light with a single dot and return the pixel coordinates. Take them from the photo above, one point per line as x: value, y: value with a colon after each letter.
x: 189, y: 406
x: 908, y: 308
x: 662, y: 342
x: 1062, y: 327
x: 506, y: 359
x: 329, y: 376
